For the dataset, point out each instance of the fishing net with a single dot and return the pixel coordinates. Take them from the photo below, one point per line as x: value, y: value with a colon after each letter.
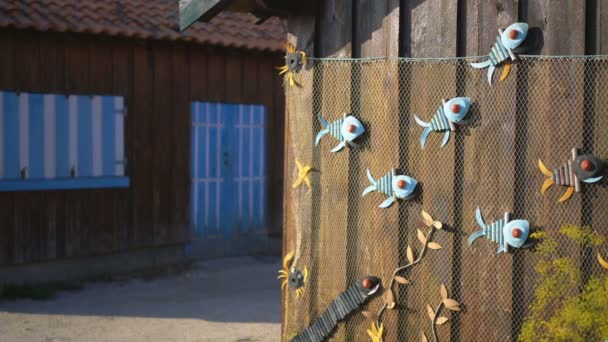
x: 546, y: 107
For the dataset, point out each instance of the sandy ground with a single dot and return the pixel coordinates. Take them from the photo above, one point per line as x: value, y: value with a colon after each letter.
x: 223, y: 300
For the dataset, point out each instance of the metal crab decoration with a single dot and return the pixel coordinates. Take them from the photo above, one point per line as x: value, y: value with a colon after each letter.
x: 293, y: 276
x: 294, y: 63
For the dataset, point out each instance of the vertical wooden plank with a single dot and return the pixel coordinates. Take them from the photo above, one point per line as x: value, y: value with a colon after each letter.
x: 122, y: 55
x: 101, y: 224
x: 488, y: 151
x: 163, y: 118
x: 181, y: 145
x: 198, y: 74
x: 435, y: 167
x: 7, y: 82
x: 216, y: 76
x: 142, y: 153
x: 297, y: 227
x: 374, y: 233
x: 549, y: 124
x: 596, y: 123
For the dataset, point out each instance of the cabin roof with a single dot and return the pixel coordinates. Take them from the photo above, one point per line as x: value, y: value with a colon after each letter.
x: 143, y: 19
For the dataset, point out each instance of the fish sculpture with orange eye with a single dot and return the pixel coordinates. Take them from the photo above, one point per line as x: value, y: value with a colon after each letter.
x: 586, y: 167
x: 504, y: 232
x: 449, y: 113
x: 502, y: 51
x: 394, y: 186
x: 346, y: 129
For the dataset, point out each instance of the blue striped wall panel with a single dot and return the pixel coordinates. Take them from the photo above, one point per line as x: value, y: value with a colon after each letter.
x: 46, y: 135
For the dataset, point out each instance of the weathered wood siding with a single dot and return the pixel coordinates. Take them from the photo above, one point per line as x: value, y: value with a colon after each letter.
x: 158, y: 81
x: 471, y: 170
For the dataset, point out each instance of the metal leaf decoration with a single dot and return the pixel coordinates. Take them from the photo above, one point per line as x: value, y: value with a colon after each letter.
x: 441, y: 320
x: 423, y: 338
x: 434, y: 245
x: 430, y: 311
x: 444, y: 292
x: 451, y: 304
x: 421, y: 237
x: 410, y: 255
x: 401, y: 280
x: 390, y: 299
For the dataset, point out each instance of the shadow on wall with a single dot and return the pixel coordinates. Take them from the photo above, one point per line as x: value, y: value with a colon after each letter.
x: 225, y: 290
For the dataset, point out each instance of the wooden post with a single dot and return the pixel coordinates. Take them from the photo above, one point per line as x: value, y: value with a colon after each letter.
x: 488, y: 177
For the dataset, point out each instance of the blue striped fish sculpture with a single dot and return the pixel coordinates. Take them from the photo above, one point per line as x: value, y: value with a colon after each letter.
x: 347, y: 302
x: 504, y: 232
x: 346, y: 129
x: 450, y: 112
x: 586, y: 167
x: 394, y: 186
x: 502, y: 51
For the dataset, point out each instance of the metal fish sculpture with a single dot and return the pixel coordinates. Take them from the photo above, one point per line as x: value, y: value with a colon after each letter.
x: 393, y: 186
x: 342, y: 306
x: 346, y: 130
x: 586, y: 167
x: 502, y: 51
x: 504, y: 232
x: 450, y: 112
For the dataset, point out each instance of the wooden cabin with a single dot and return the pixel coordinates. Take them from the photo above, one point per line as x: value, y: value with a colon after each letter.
x: 126, y: 144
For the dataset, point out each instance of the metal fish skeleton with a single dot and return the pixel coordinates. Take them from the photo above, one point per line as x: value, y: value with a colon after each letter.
x: 504, y: 232
x: 393, y: 186
x: 342, y: 306
x: 346, y: 129
x: 450, y: 112
x: 502, y: 51
x: 586, y: 167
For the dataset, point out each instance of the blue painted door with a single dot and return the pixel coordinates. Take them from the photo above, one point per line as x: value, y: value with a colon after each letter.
x: 228, y: 178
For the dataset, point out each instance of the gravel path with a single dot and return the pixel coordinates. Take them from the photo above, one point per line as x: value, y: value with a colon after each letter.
x: 223, y: 300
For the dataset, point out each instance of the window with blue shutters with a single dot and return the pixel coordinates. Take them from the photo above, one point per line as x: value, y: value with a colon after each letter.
x: 51, y: 142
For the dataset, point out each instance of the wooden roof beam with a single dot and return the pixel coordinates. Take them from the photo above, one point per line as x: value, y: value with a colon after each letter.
x: 191, y: 11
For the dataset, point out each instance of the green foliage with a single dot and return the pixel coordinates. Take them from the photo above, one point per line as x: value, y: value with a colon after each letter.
x: 565, y: 309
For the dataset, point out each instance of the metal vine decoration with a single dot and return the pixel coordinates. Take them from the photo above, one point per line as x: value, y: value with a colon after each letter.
x: 389, y: 299
x: 293, y: 276
x: 435, y: 315
x: 294, y: 62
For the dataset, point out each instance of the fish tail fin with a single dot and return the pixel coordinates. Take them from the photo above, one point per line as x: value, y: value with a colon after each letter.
x: 322, y: 121
x: 544, y: 169
x: 370, y: 177
x: 490, y: 73
x: 567, y: 194
x: 546, y: 185
x: 474, y: 237
x: 320, y: 135
x: 387, y: 203
x: 422, y: 123
x: 424, y: 135
x: 506, y: 70
x: 339, y: 147
x: 481, y: 65
x: 446, y: 137
x: 479, y: 219
x: 368, y: 190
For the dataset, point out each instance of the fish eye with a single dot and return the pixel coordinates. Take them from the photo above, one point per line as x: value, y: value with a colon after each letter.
x: 513, y: 34
x: 404, y: 186
x: 586, y: 165
x: 366, y: 283
x: 351, y: 128
x: 457, y: 108
x: 516, y: 232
